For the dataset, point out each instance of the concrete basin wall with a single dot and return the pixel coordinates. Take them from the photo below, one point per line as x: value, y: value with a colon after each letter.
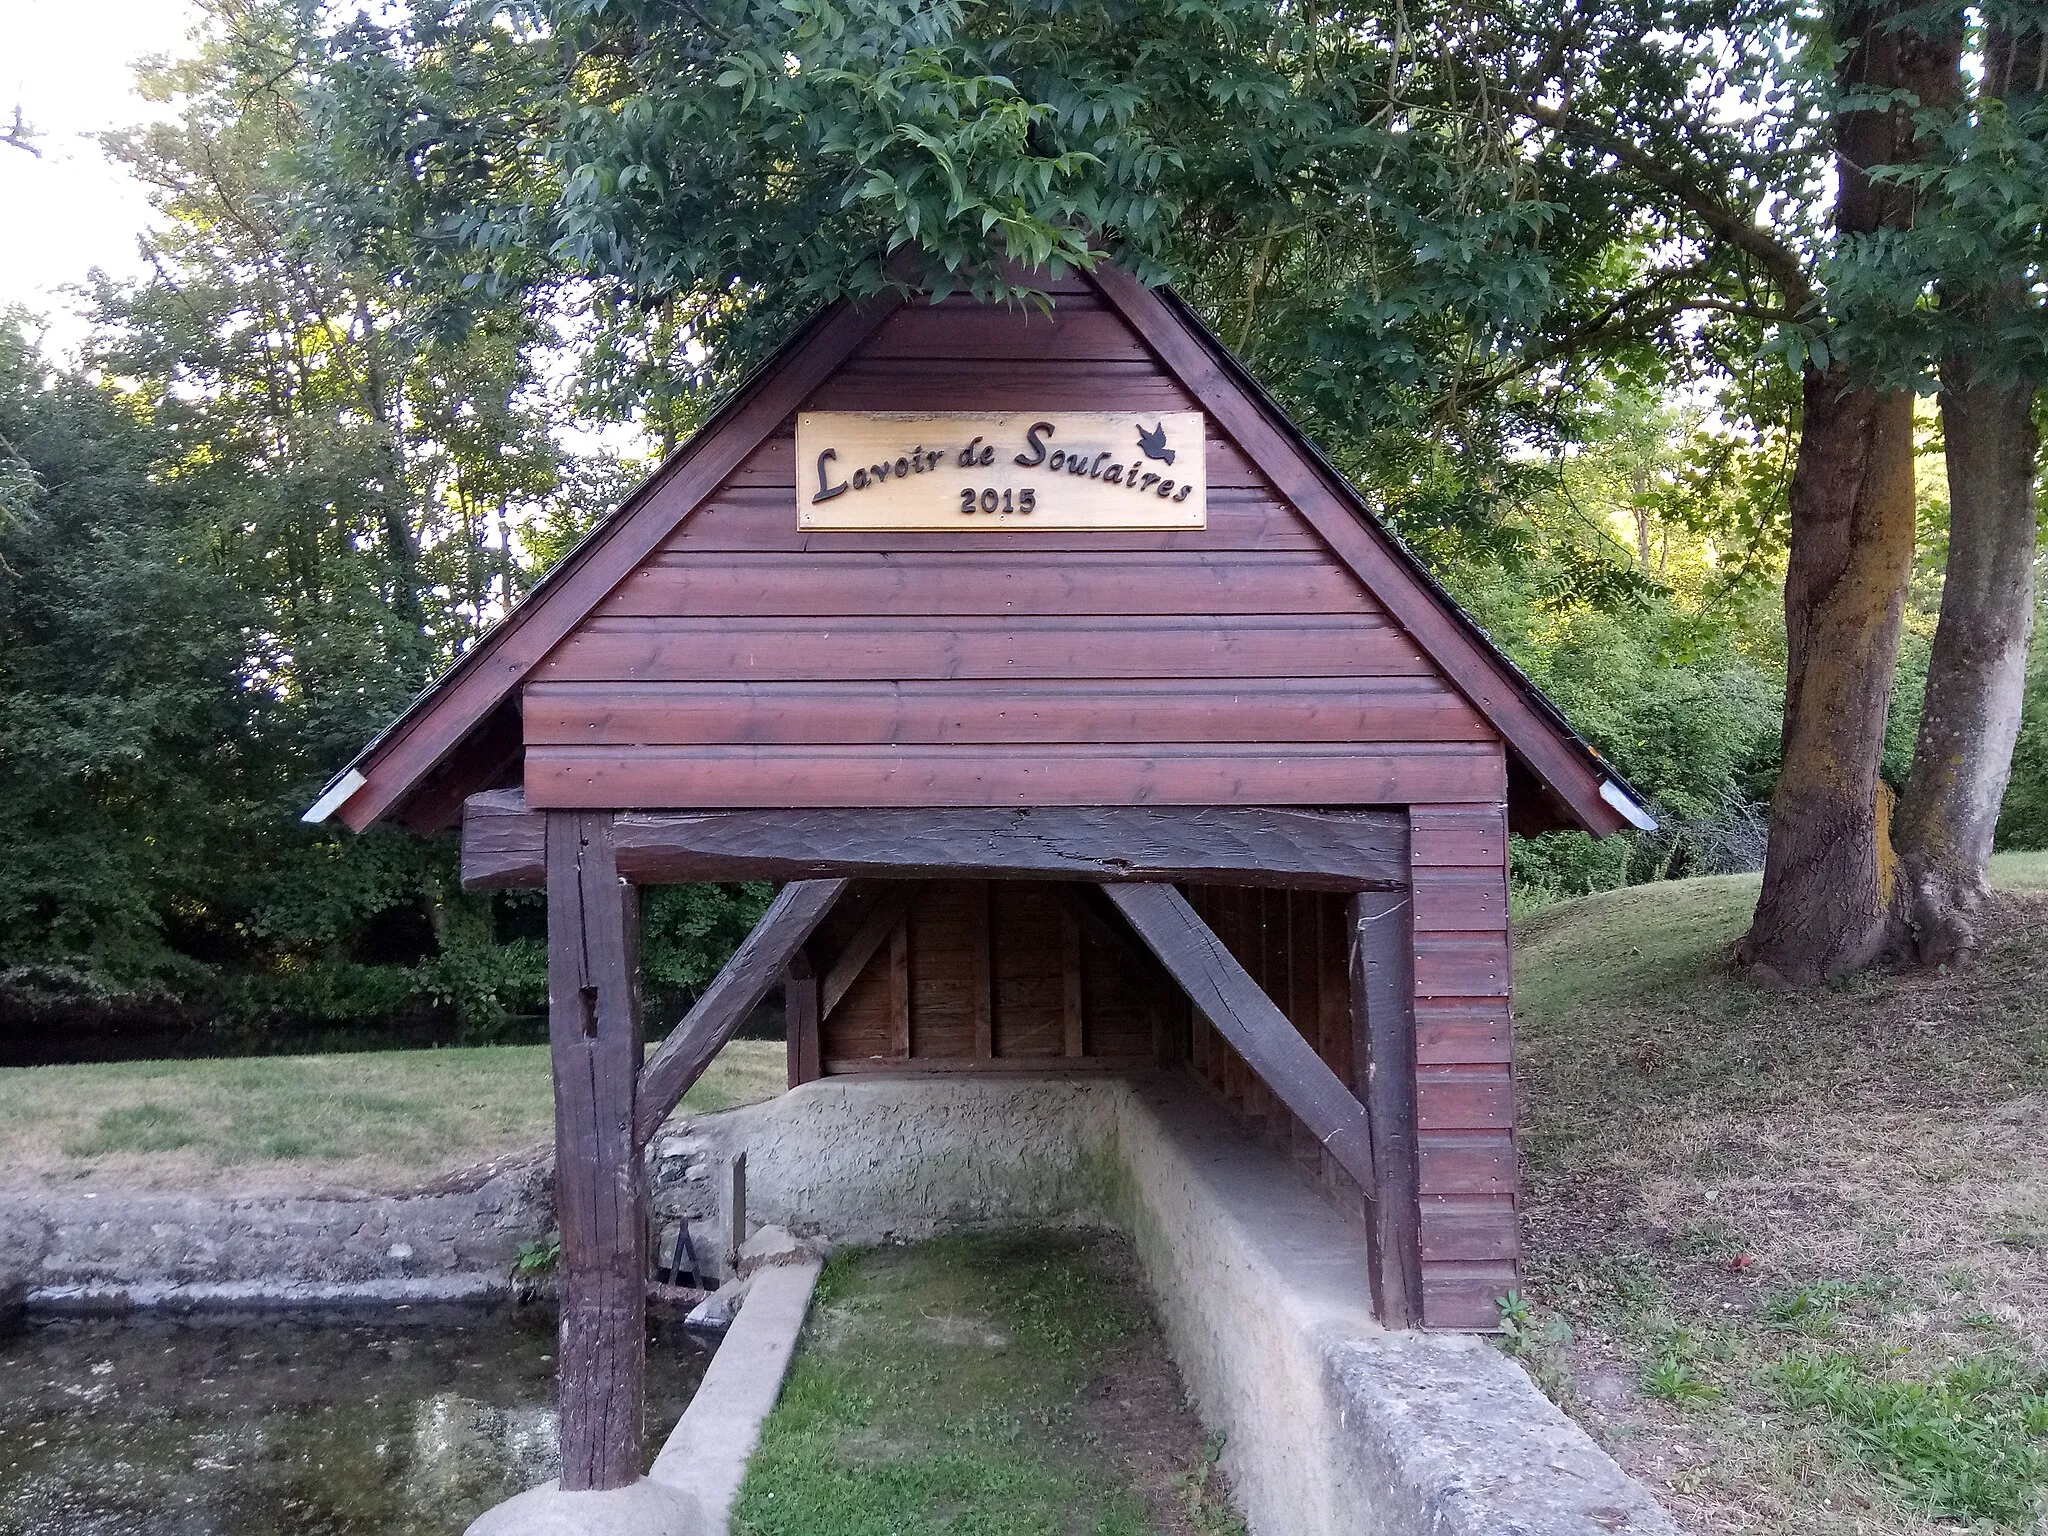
x: 1332, y: 1425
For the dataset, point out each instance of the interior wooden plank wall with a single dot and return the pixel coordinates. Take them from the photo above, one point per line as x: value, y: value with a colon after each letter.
x: 1293, y: 943
x: 991, y: 976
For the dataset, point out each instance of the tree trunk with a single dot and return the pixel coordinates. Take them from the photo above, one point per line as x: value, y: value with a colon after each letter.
x: 1829, y: 876
x: 1976, y: 674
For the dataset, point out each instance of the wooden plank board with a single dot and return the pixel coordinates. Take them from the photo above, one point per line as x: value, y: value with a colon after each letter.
x: 983, y: 959
x: 1080, y: 329
x: 1466, y: 1295
x: 1333, y: 990
x: 803, y: 1014
x: 895, y: 648
x: 756, y: 966
x: 1282, y: 773
x: 953, y: 582
x: 952, y: 384
x: 872, y: 934
x: 1448, y: 1031
x: 899, y: 988
x: 1461, y: 835
x: 1467, y: 1229
x: 762, y: 521
x: 1321, y: 850
x: 1461, y: 964
x: 1467, y: 1163
x: 1073, y: 1014
x: 1452, y: 899
x: 1464, y: 1098
x: 945, y: 960
x: 593, y: 1034
x: 1051, y: 1066
x: 1353, y: 709
x: 1259, y: 1032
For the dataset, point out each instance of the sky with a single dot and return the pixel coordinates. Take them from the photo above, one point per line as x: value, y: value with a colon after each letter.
x: 69, y: 65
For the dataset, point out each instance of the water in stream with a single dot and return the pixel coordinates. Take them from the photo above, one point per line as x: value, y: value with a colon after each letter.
x: 408, y: 1425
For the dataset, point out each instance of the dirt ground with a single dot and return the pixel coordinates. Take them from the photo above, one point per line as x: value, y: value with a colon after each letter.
x: 1788, y: 1255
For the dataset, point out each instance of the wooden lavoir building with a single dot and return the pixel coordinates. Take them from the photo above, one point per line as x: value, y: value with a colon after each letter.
x: 1091, y: 723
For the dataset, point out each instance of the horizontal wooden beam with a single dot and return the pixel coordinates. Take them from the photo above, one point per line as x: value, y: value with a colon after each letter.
x: 755, y: 967
x: 503, y: 843
x: 1257, y: 1030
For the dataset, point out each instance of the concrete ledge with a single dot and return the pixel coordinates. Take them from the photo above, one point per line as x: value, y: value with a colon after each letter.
x: 256, y: 1294
x: 645, y: 1508
x: 1333, y: 1426
x: 456, y: 1239
x: 691, y: 1488
x: 706, y: 1454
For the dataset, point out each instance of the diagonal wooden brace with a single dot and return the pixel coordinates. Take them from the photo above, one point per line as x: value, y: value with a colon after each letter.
x: 1257, y: 1030
x: 755, y: 966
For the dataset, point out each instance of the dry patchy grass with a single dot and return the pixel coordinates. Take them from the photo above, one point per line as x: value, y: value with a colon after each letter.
x: 373, y: 1120
x: 1799, y: 1243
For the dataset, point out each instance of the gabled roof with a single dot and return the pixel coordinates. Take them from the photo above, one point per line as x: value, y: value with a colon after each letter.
x: 462, y: 733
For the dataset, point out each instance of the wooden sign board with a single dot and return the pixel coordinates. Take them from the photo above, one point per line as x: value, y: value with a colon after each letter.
x: 1015, y: 470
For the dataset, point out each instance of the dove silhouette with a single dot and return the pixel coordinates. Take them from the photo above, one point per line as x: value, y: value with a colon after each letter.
x: 1154, y: 443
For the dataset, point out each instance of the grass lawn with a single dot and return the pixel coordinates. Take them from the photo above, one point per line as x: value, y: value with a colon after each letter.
x: 374, y: 1119
x: 1788, y: 1255
x: 1006, y: 1386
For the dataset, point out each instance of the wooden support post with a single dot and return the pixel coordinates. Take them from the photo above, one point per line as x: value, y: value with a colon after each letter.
x: 802, y: 1011
x: 594, y: 1039
x: 1260, y: 1033
x: 981, y: 922
x: 755, y: 966
x: 899, y: 988
x: 736, y: 1215
x: 1383, y: 1012
x: 1073, y: 1041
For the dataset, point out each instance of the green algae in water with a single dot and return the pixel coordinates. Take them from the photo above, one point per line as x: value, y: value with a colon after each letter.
x: 409, y: 1425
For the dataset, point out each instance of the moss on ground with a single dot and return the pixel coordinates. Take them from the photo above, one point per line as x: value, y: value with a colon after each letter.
x: 375, y: 1119
x: 1788, y: 1254
x: 1000, y: 1386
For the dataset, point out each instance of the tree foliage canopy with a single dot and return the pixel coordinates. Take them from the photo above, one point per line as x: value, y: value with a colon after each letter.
x: 1540, y: 278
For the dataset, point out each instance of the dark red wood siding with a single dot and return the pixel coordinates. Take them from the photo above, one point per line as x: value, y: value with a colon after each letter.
x: 750, y: 664
x: 1464, y: 1062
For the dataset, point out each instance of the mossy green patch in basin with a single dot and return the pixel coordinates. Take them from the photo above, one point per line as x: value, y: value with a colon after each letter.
x: 1004, y: 1386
